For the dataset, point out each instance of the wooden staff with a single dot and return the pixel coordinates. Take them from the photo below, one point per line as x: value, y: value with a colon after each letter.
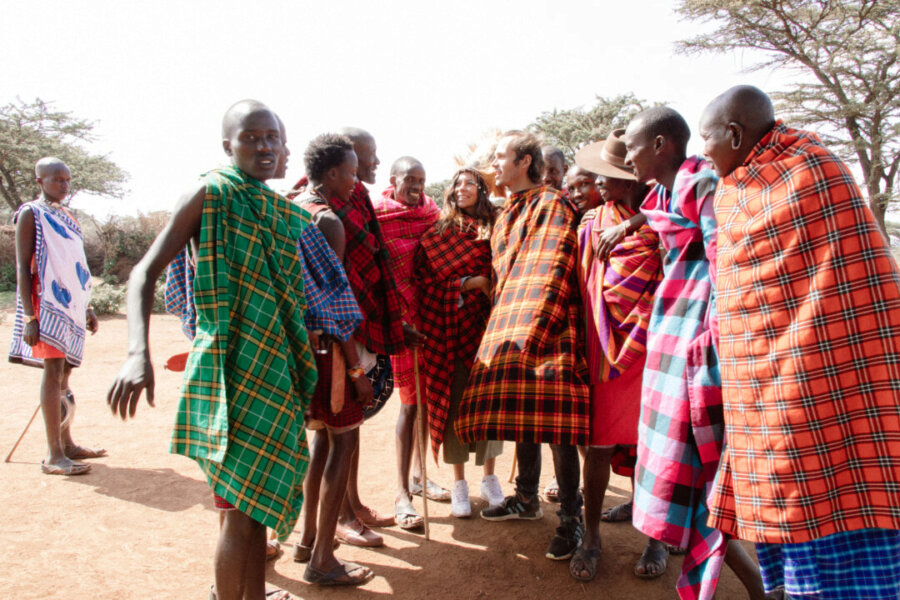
x: 24, y: 431
x: 512, y: 469
x: 421, y: 436
x: 338, y: 379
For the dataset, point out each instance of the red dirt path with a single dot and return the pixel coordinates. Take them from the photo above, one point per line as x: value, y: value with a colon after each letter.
x: 142, y: 525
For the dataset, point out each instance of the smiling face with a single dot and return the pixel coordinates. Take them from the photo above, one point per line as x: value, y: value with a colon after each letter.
x: 640, y: 155
x: 614, y: 190
x: 409, y: 185
x: 368, y: 159
x: 721, y: 142
x: 55, y: 182
x: 583, y: 189
x: 254, y: 144
x: 466, y: 192
x: 507, y: 170
x: 554, y: 170
x: 342, y: 178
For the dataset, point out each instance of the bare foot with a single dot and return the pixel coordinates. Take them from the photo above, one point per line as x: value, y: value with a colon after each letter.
x: 77, y: 452
x: 653, y: 560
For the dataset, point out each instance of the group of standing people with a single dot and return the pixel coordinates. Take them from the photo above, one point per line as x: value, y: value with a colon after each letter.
x: 723, y: 330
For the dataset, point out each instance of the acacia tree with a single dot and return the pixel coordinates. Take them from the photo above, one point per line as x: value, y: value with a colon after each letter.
x: 846, y: 52
x: 570, y: 129
x: 30, y: 131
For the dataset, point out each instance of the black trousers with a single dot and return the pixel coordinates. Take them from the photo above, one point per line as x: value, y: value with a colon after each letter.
x: 566, y: 466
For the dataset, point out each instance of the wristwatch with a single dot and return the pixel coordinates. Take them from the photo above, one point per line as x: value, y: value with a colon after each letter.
x: 30, y: 318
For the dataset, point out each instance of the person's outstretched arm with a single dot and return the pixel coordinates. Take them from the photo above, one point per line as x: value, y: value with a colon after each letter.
x: 136, y: 375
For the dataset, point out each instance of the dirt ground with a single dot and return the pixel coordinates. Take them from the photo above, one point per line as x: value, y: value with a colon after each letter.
x: 142, y: 523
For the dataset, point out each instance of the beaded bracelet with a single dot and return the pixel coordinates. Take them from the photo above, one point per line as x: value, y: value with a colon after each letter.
x: 355, y: 373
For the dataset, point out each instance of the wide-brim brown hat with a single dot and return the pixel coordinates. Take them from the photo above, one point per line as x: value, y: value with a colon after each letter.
x: 606, y: 157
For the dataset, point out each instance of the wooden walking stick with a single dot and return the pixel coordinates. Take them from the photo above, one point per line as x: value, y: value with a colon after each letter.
x: 421, y: 435
x: 24, y: 431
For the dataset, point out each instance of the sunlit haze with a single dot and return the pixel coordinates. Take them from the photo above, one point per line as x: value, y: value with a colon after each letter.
x: 425, y: 78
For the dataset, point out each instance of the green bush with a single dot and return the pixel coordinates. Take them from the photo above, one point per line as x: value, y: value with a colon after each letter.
x: 107, y: 299
x: 159, y: 298
x: 126, y: 239
x: 8, y: 277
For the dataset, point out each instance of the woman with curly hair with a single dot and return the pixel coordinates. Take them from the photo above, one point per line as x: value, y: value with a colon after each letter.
x: 453, y: 271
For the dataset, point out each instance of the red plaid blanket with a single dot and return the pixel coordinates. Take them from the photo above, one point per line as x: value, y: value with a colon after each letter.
x: 809, y: 339
x: 529, y: 380
x: 453, y: 331
x: 368, y: 268
x: 402, y: 227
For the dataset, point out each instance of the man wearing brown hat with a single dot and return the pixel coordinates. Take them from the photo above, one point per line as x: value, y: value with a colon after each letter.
x: 620, y: 269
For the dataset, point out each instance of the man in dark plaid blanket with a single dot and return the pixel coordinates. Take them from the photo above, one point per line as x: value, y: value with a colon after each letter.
x: 529, y: 380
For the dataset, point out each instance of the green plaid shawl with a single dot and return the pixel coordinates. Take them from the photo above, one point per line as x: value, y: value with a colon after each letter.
x: 250, y: 374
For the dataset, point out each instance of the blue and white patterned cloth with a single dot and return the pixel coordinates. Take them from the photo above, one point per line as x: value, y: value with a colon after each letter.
x: 852, y: 565
x: 332, y: 306
x: 64, y: 282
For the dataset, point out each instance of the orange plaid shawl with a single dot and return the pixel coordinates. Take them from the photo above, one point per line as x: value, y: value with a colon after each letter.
x: 529, y: 380
x: 809, y: 325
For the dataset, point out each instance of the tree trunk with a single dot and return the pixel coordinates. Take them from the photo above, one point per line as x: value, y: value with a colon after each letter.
x: 878, y: 203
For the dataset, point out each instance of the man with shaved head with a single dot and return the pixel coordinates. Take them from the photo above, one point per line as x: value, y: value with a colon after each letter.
x: 679, y: 431
x: 404, y: 213
x: 583, y: 190
x: 555, y: 167
x: 53, y: 312
x: 809, y: 337
x: 250, y: 374
x: 382, y: 333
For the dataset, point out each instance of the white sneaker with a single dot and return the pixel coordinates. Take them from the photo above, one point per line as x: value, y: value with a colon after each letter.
x: 459, y: 500
x: 491, y: 490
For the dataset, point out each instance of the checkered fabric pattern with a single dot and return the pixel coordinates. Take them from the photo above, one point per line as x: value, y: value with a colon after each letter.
x: 529, y: 380
x: 453, y: 330
x: 862, y: 565
x: 331, y: 305
x: 671, y: 482
x: 368, y: 268
x: 809, y: 315
x: 179, y: 292
x: 402, y: 227
x: 250, y: 373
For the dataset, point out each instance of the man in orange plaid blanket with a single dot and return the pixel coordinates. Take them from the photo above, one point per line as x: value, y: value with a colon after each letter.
x: 809, y: 323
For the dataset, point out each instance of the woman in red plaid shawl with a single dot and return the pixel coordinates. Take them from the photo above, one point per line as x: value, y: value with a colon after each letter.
x: 453, y: 277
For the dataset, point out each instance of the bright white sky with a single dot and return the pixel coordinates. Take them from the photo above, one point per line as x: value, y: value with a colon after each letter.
x: 425, y: 78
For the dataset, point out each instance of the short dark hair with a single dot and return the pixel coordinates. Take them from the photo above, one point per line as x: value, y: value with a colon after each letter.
x: 554, y: 152
x: 325, y: 152
x: 524, y: 144
x: 667, y: 122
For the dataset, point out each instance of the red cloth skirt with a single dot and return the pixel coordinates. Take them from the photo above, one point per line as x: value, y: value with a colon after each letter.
x: 616, y: 408
x: 41, y: 350
x: 320, y: 406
